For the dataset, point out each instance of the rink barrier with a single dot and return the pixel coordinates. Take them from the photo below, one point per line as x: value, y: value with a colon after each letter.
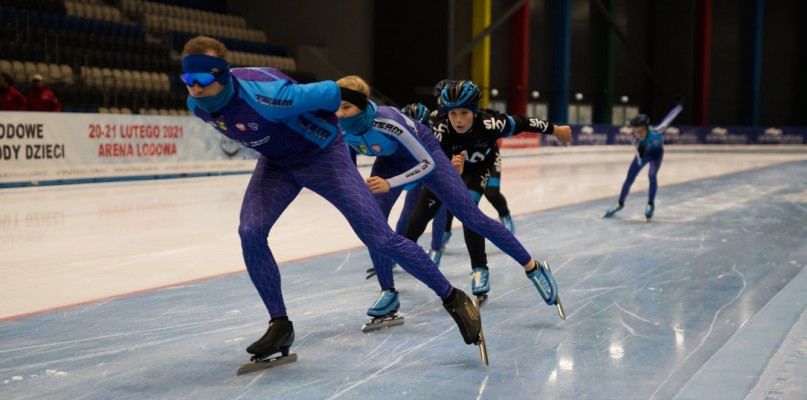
x: 605, y: 134
x: 63, y: 148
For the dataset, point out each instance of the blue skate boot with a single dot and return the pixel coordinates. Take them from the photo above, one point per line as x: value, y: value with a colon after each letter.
x: 613, y: 210
x: 541, y: 277
x: 648, y: 211
x: 507, y: 221
x: 384, y: 311
x: 480, y: 286
x: 435, y: 256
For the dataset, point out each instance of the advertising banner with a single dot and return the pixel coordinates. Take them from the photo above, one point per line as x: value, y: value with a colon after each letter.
x: 56, y: 147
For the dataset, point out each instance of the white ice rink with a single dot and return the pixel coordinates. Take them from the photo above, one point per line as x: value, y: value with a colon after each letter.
x: 706, y: 301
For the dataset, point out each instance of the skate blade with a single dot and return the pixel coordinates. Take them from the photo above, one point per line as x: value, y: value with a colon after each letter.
x: 375, y: 325
x: 260, y: 365
x: 481, y: 299
x: 483, y: 348
x: 558, y: 304
x: 561, y: 312
x: 370, y: 273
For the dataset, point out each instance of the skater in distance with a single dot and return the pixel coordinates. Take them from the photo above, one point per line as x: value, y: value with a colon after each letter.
x: 649, y: 145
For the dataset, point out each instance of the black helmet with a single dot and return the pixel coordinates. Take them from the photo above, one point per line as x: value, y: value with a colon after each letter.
x: 438, y: 87
x: 417, y: 111
x: 640, y: 120
x: 461, y: 94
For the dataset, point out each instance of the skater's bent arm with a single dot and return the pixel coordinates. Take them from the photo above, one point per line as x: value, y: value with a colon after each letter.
x: 530, y: 124
x: 668, y: 119
x: 417, y: 150
x: 282, y: 99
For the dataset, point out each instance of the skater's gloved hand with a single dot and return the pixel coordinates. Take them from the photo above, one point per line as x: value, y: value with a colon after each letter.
x: 563, y: 133
x: 377, y: 184
x: 458, y: 161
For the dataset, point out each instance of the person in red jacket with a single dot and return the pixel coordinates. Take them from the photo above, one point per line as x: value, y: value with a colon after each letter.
x: 40, y: 98
x: 10, y: 98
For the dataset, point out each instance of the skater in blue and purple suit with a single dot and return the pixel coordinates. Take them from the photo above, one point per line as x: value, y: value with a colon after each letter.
x: 419, y: 113
x: 406, y: 152
x: 649, y: 145
x: 294, y: 129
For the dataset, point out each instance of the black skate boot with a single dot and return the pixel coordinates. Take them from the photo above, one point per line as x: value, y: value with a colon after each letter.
x: 277, y: 339
x: 465, y: 314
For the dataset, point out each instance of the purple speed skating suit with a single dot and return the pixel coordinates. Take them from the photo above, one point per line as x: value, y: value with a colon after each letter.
x: 295, y: 130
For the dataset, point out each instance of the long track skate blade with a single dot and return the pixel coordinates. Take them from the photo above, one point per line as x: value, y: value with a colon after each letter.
x: 370, y: 273
x: 376, y: 325
x: 482, y: 299
x: 483, y: 349
x: 561, y: 312
x: 260, y: 365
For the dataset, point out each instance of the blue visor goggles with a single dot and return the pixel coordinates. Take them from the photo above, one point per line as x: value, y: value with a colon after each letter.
x: 204, y: 70
x: 202, y: 78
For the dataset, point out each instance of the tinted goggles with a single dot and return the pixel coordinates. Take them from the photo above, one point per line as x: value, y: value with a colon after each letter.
x: 202, y: 78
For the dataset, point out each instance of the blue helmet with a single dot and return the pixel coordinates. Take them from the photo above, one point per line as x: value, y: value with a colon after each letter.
x: 461, y: 94
x: 417, y: 111
x: 640, y: 120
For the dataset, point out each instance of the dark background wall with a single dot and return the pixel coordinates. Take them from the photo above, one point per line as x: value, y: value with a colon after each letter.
x: 402, y: 49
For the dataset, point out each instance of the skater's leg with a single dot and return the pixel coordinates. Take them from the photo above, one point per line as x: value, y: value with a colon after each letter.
x: 494, y: 194
x: 652, y: 175
x: 268, y: 194
x: 633, y: 170
x: 439, y: 229
x: 452, y: 190
x: 410, y: 201
x: 474, y: 242
x: 635, y: 166
x: 655, y: 165
x: 428, y: 205
x: 338, y: 181
x: 382, y: 263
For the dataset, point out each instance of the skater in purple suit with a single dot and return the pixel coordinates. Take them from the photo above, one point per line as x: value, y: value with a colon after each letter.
x: 294, y: 129
x: 407, y: 152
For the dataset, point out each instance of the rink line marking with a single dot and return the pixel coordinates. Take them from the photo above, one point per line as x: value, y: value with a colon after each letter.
x: 722, y: 375
x: 482, y: 387
x: 707, y: 334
